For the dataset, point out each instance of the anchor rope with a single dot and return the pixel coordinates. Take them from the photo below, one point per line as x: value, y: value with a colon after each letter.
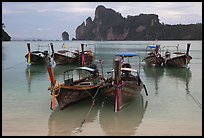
x: 91, y: 107
x: 12, y: 66
x: 196, y: 101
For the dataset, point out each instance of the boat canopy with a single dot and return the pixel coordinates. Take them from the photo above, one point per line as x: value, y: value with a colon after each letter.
x: 86, y: 68
x: 126, y: 54
x: 151, y: 46
x: 127, y: 69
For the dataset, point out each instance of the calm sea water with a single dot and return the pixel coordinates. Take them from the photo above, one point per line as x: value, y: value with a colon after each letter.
x: 173, y: 106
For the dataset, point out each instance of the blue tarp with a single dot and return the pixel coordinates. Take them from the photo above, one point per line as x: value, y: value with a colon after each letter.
x: 126, y: 54
x: 151, y: 46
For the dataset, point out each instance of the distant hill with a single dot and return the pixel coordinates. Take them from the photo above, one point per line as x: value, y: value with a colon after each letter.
x: 110, y: 25
x: 5, y: 36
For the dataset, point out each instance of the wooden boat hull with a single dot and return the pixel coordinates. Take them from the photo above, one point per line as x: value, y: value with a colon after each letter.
x: 68, y: 95
x: 129, y: 90
x: 63, y: 59
x: 179, y: 61
x: 150, y: 61
x: 36, y: 59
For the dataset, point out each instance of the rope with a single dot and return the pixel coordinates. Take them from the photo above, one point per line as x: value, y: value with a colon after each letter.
x: 95, y: 93
x: 79, y: 129
x: 93, y: 102
x: 57, y: 92
x: 196, y: 101
x: 120, y: 86
x: 88, y: 93
x: 56, y: 87
x: 12, y: 66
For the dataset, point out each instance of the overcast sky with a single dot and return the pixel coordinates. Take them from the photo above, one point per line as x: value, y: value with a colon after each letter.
x: 47, y: 20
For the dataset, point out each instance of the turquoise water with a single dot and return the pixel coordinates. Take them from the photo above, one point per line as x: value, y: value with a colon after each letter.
x: 173, y: 106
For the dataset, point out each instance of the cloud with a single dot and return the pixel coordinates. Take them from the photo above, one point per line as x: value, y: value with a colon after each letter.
x: 43, y: 7
x: 40, y: 17
x: 43, y: 29
x: 11, y: 12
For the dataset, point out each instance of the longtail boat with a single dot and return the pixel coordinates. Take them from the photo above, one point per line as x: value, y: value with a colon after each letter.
x: 65, y: 56
x: 125, y: 83
x: 154, y: 57
x: 37, y: 56
x: 177, y: 59
x: 86, y: 84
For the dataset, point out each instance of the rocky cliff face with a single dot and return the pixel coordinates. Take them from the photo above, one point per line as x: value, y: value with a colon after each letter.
x: 65, y: 36
x: 110, y: 25
x: 5, y: 36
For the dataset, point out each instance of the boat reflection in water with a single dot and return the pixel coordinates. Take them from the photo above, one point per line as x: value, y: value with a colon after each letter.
x: 70, y: 120
x: 183, y: 74
x: 155, y: 73
x: 35, y: 73
x: 124, y: 122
